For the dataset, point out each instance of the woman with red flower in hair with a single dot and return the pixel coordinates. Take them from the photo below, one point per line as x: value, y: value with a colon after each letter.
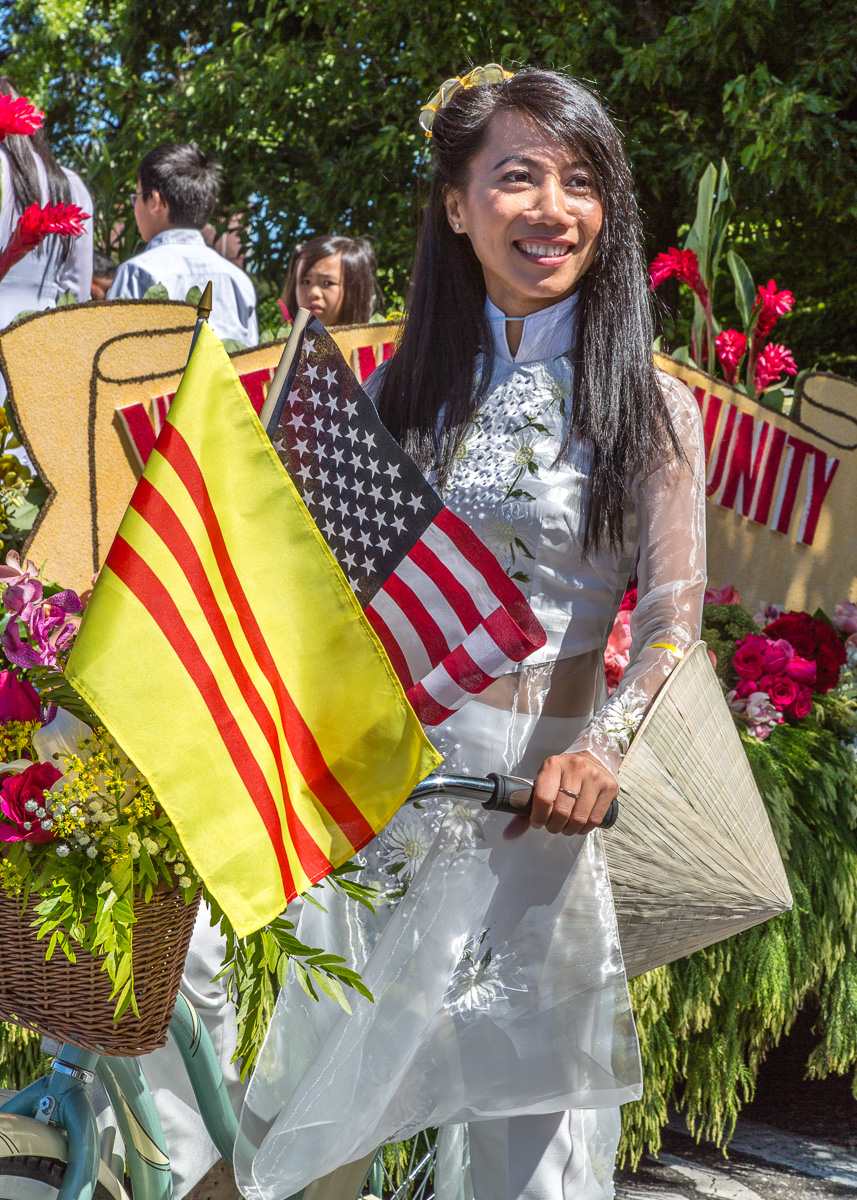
x: 31, y: 176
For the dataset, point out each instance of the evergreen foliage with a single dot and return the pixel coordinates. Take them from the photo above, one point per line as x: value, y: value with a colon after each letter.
x: 707, y: 1021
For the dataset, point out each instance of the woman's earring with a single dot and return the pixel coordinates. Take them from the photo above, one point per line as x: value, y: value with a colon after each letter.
x: 457, y: 226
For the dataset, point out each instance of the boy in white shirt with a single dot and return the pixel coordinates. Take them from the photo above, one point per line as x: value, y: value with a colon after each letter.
x: 177, y: 187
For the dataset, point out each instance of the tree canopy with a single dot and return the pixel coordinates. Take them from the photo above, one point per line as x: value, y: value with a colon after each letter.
x: 311, y: 106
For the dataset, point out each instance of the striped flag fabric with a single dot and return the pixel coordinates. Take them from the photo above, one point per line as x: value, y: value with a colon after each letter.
x: 449, y: 617
x: 225, y: 651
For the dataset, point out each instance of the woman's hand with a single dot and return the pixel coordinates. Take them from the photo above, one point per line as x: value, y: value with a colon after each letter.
x: 572, y: 793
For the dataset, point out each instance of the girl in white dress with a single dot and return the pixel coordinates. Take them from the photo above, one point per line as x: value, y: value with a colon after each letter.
x: 524, y: 385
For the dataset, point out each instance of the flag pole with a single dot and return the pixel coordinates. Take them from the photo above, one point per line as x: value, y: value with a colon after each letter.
x: 203, y: 312
x: 281, y: 374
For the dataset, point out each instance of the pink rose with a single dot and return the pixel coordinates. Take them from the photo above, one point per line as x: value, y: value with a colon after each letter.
x: 19, y: 700
x: 802, y: 670
x: 724, y: 595
x: 749, y: 660
x: 801, y: 706
x: 16, y: 790
x: 778, y: 655
x: 783, y: 692
x: 617, y: 652
x: 746, y: 688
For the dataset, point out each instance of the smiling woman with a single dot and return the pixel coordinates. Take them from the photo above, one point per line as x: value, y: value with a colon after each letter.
x: 533, y: 214
x: 524, y: 386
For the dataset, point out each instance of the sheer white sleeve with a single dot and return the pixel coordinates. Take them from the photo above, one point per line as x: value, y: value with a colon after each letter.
x: 670, y: 507
x: 76, y: 270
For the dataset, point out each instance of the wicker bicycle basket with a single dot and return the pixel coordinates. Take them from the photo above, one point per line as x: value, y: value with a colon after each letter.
x: 70, y: 1002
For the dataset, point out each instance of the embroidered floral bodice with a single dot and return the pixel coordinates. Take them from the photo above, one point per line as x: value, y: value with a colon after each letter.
x: 530, y: 511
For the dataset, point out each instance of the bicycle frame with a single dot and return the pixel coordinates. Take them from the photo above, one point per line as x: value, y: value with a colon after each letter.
x: 61, y: 1099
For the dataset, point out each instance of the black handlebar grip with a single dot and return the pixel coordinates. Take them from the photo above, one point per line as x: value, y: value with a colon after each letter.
x: 515, y: 796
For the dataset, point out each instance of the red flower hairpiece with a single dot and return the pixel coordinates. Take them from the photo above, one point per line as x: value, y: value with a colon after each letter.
x: 18, y: 116
x: 35, y: 224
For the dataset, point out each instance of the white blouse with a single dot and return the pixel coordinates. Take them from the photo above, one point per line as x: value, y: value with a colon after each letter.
x: 530, y: 510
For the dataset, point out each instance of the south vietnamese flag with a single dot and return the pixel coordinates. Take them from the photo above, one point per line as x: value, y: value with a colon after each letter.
x: 225, y: 651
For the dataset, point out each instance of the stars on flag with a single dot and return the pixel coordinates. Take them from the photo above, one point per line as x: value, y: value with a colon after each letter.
x: 347, y: 483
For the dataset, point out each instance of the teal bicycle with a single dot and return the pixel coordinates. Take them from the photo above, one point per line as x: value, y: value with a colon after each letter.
x: 50, y: 1146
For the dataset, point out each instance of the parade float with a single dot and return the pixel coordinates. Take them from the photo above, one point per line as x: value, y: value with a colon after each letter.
x: 779, y: 621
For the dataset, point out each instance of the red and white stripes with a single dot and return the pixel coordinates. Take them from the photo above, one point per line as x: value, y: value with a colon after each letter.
x: 451, y: 620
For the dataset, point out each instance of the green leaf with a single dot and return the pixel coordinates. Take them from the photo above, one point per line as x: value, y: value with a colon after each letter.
x: 68, y: 297
x: 745, y: 289
x: 331, y: 985
x: 156, y: 292
x: 194, y: 296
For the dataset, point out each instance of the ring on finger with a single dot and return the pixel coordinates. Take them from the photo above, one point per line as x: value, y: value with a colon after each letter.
x: 574, y: 795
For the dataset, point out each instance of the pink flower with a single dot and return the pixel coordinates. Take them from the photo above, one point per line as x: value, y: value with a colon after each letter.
x: 617, y: 652
x: 731, y: 346
x: 802, y: 670
x: 749, y: 660
x: 35, y: 224
x: 757, y: 710
x: 19, y: 700
x: 682, y: 265
x: 770, y: 305
x: 30, y: 785
x: 845, y: 617
x: 629, y: 600
x: 778, y: 655
x: 801, y: 706
x: 11, y: 572
x: 724, y: 595
x: 18, y: 116
x: 746, y: 688
x: 773, y: 362
x: 783, y: 692
x: 768, y: 613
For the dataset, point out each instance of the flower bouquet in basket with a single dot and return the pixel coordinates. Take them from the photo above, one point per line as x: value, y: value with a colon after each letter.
x: 97, y: 895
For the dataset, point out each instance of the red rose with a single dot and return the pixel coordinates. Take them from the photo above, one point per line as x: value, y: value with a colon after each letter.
x: 828, y: 662
x: 801, y: 706
x: 746, y: 688
x: 16, y: 790
x: 19, y: 700
x: 802, y: 670
x: 804, y: 644
x: 785, y: 625
x: 783, y: 692
x: 749, y: 660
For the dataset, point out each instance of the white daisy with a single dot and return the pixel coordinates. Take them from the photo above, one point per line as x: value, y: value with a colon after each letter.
x: 465, y: 814
x: 403, y: 845
x: 480, y: 980
x: 622, y: 716
x: 504, y: 530
x: 524, y: 453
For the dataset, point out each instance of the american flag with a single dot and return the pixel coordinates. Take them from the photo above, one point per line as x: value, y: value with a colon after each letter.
x: 447, y: 614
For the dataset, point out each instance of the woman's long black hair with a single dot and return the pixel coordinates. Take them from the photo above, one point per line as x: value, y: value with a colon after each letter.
x: 616, y: 405
x: 24, y: 174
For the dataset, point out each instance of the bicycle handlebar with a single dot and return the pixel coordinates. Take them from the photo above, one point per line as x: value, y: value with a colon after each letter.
x: 497, y: 793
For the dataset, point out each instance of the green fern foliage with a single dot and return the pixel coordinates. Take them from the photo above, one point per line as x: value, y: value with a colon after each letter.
x: 707, y: 1022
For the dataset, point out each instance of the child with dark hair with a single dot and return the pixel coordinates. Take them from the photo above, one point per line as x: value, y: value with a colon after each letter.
x: 103, y: 273
x: 177, y: 188
x: 334, y: 277
x: 29, y: 174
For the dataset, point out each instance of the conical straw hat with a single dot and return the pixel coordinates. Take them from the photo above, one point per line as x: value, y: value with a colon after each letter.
x: 692, y: 858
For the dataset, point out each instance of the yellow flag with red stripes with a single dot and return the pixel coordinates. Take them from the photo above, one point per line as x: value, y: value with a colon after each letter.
x: 226, y: 653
